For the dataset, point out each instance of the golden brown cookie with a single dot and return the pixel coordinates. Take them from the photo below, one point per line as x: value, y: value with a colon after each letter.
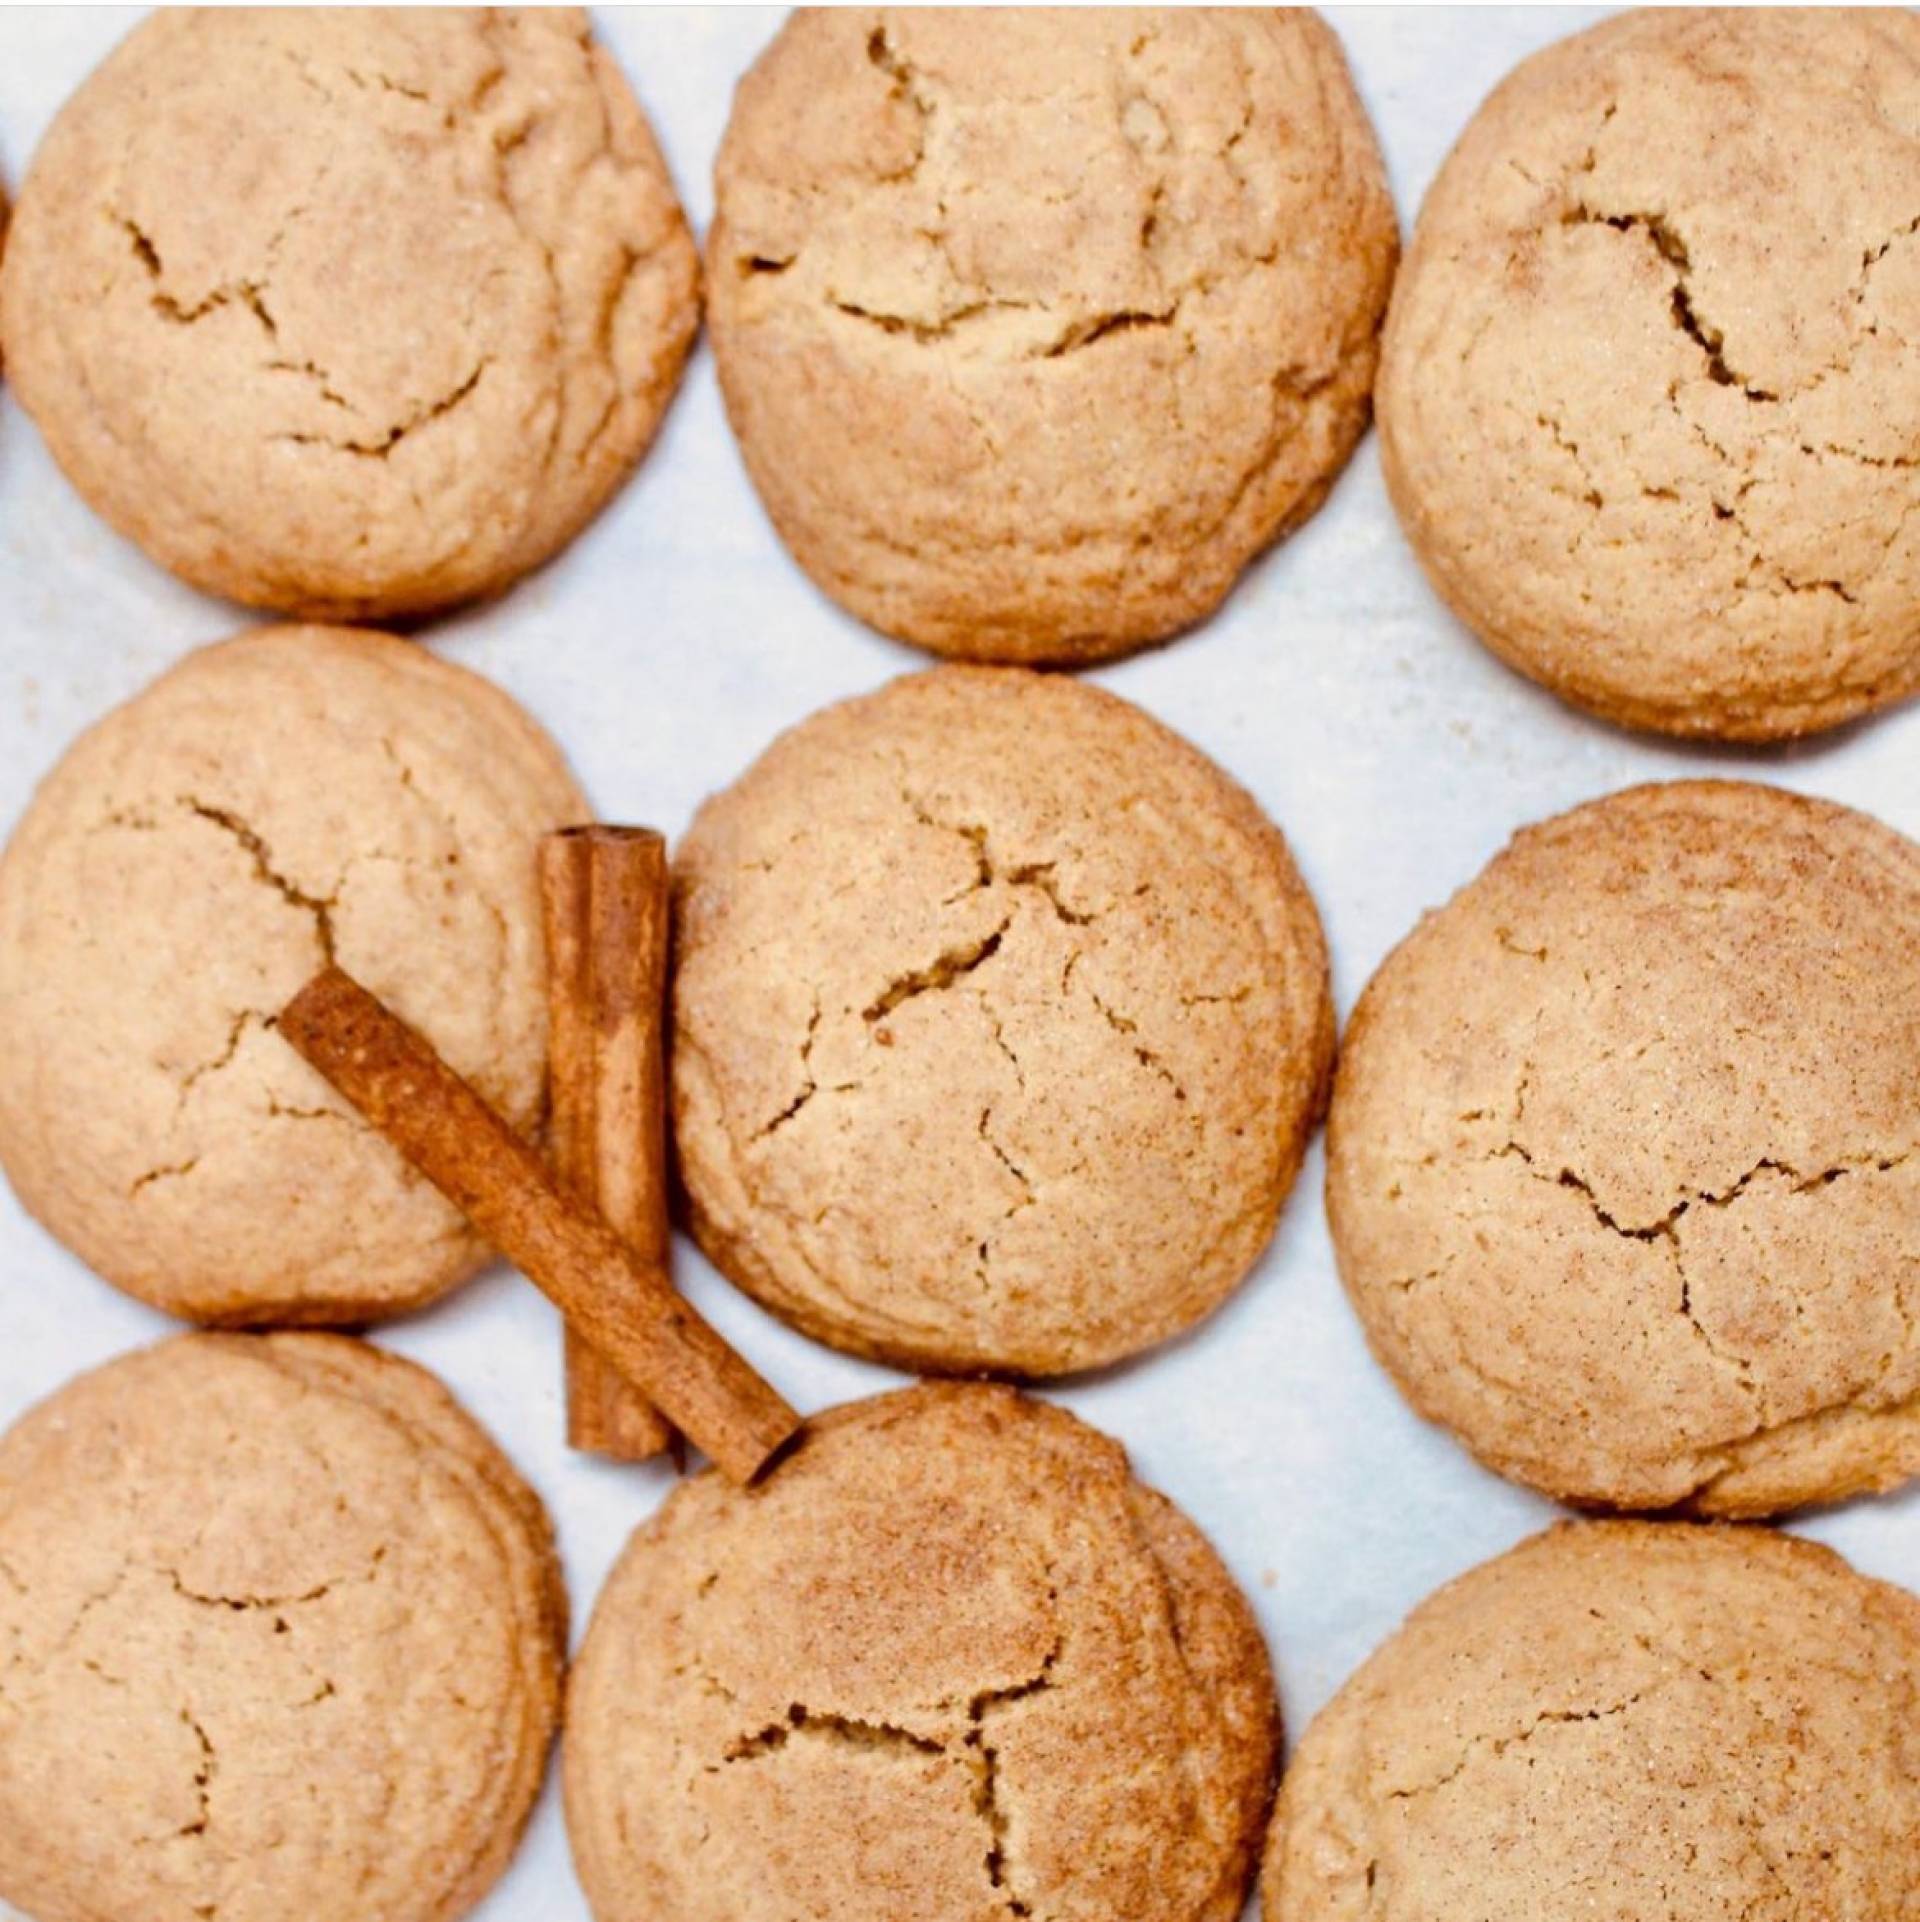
x: 1000, y: 1024
x: 283, y: 1633
x: 286, y: 798
x: 1622, y: 1163
x: 1649, y: 399
x: 1618, y: 1720
x: 349, y: 313
x: 1037, y: 325
x: 951, y: 1661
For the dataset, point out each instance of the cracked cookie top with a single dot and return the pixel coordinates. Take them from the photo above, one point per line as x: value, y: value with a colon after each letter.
x: 1650, y: 394
x: 1036, y: 325
x: 952, y: 1661
x: 349, y: 314
x: 1622, y: 1163
x: 1619, y: 1719
x: 280, y: 1634
x: 274, y: 802
x: 1000, y: 1023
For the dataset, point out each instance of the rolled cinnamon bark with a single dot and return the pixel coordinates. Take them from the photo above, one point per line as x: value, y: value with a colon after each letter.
x: 604, y: 900
x: 624, y: 1306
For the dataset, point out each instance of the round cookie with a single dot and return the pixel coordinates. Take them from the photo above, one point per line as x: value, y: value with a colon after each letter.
x: 1618, y: 1719
x: 1000, y: 1024
x: 1035, y: 327
x: 1649, y: 400
x: 274, y: 802
x: 284, y: 1634
x: 349, y: 314
x: 952, y: 1661
x: 1621, y: 1166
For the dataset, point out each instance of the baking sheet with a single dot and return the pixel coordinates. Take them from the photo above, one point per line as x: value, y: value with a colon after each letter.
x: 675, y: 639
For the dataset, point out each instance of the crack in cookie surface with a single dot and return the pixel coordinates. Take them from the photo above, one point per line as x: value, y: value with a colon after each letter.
x: 1633, y: 1213
x: 1699, y: 1723
x: 287, y: 1558
x: 295, y: 797
x: 1715, y: 566
x: 967, y: 988
x: 1006, y: 235
x: 537, y: 267
x: 946, y: 1645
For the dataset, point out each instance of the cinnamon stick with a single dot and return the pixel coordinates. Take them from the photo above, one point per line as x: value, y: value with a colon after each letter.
x: 624, y: 1306
x: 603, y: 895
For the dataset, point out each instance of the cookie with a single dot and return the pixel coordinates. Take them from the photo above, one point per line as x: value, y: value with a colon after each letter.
x: 951, y: 1661
x: 1037, y: 326
x: 349, y: 314
x: 1622, y: 1164
x: 290, y: 797
x: 1649, y: 407
x: 284, y: 1632
x: 1618, y: 1719
x: 1000, y: 1024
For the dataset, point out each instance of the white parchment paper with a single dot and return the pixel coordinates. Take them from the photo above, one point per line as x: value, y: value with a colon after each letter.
x: 676, y: 638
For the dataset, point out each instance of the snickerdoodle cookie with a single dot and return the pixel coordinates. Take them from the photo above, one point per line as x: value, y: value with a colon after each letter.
x: 1622, y: 1165
x: 1649, y: 398
x: 1000, y: 1023
x: 1619, y: 1720
x: 952, y: 1661
x: 349, y: 312
x: 284, y: 1633
x: 278, y: 800
x: 1036, y: 326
